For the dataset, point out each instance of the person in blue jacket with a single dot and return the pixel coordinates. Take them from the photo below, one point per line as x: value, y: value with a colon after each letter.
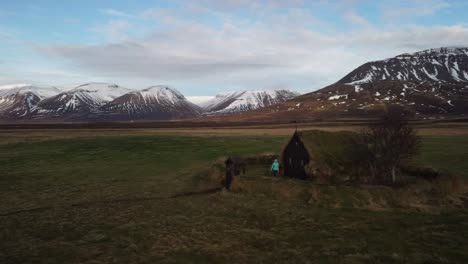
x: 275, y: 168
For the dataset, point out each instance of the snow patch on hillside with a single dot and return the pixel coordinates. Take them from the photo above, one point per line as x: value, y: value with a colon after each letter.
x: 338, y: 96
x: 357, y: 88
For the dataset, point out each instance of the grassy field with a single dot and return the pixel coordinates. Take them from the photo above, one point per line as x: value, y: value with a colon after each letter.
x: 79, y: 197
x: 445, y: 152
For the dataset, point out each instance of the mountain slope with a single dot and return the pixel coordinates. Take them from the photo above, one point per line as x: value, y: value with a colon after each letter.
x: 242, y: 101
x: 19, y: 100
x: 429, y: 82
x: 445, y: 65
x: 426, y: 84
x: 153, y: 103
x: 370, y: 99
x: 80, y: 101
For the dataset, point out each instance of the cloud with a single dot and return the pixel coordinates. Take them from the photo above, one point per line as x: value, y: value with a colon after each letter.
x: 246, y: 5
x: 40, y: 76
x: 414, y: 37
x: 283, y: 44
x: 151, y: 59
x: 262, y: 54
x: 356, y: 19
x: 414, y: 8
x: 114, y: 30
x: 116, y: 13
x: 226, y: 4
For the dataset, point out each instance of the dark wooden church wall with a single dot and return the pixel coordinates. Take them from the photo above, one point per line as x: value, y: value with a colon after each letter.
x: 295, y: 157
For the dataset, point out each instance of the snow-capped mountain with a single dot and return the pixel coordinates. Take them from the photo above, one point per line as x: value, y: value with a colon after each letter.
x: 39, y: 90
x: 419, y: 98
x: 19, y: 100
x: 156, y: 103
x: 446, y: 65
x: 79, y: 101
x: 429, y: 82
x: 426, y: 84
x: 242, y: 101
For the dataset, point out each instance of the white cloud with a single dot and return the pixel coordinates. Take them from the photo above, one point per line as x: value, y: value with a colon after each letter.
x: 279, y: 43
x: 116, y: 13
x: 114, y: 30
x: 414, y: 8
x: 414, y: 38
x: 199, y: 100
x: 356, y: 19
x: 260, y: 54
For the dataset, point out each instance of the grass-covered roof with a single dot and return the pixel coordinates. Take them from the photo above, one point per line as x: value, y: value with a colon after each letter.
x: 335, y: 149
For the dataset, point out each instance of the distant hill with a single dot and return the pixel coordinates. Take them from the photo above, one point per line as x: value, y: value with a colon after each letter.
x: 243, y: 101
x: 78, y: 102
x: 17, y: 101
x: 93, y: 102
x: 428, y: 83
x: 153, y: 103
x: 443, y: 65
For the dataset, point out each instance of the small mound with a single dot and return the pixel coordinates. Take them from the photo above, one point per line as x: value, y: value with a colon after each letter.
x: 445, y: 192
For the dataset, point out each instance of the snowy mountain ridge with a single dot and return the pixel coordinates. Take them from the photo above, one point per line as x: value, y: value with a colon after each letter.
x: 156, y: 102
x: 245, y: 100
x: 439, y: 51
x: 107, y: 101
x: 100, y: 92
x: 78, y: 101
x: 426, y: 84
x: 162, y: 93
x: 19, y: 100
x: 41, y: 91
x: 445, y: 65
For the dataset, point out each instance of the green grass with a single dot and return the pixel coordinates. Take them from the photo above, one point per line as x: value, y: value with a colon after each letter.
x: 445, y: 152
x: 251, y: 226
x: 73, y: 170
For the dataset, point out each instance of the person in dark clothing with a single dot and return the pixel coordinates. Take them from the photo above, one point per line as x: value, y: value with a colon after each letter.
x: 239, y: 165
x: 229, y: 173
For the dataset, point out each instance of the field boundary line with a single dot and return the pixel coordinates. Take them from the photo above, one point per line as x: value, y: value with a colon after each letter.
x: 113, y: 201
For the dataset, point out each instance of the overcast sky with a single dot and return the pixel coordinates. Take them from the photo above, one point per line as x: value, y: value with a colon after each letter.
x: 203, y: 47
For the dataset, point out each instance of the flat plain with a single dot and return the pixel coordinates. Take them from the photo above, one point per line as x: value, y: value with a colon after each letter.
x: 110, y: 196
